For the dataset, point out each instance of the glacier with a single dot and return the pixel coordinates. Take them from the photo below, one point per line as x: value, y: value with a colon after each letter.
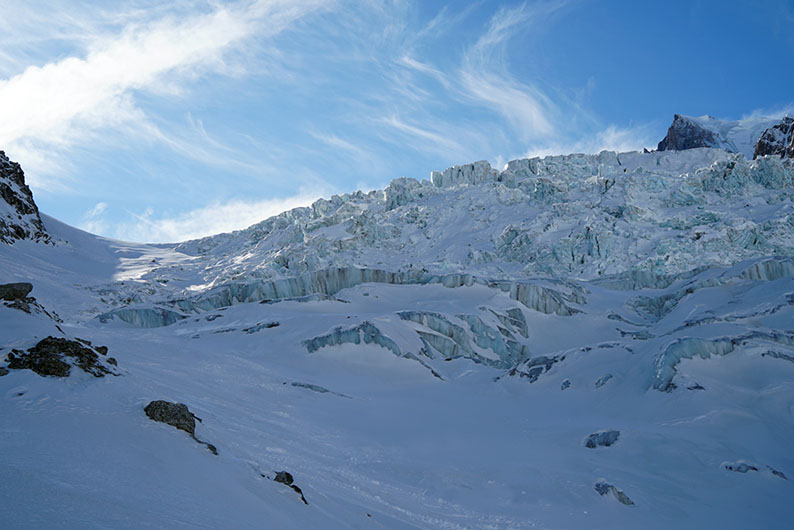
x: 576, y: 341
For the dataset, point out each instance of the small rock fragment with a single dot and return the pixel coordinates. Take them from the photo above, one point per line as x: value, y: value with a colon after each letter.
x: 286, y: 478
x: 604, y: 488
x: 738, y: 467
x: 601, y: 439
x: 603, y: 380
x: 566, y: 383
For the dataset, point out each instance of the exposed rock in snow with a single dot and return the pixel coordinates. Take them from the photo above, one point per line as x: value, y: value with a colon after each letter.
x: 738, y: 467
x: 535, y: 367
x: 19, y: 215
x: 177, y: 415
x: 604, y: 488
x: 777, y: 140
x: 15, y: 291
x: 604, y: 379
x: 601, y: 439
x: 259, y: 327
x: 49, y: 358
x: 687, y: 132
x: 285, y: 478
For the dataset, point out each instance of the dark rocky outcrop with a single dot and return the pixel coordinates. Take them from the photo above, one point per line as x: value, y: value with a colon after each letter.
x: 316, y: 388
x: 686, y: 134
x: 21, y: 220
x: 15, y: 296
x: 49, y: 358
x: 286, y: 478
x: 601, y: 439
x: 15, y: 291
x: 535, y: 367
x: 777, y: 140
x: 604, y: 488
x: 603, y: 380
x: 177, y: 415
x: 739, y: 467
x: 259, y: 327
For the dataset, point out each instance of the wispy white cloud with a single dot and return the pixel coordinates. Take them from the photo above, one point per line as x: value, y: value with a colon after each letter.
x: 54, y: 106
x: 93, y: 220
x: 485, y: 74
x: 510, y: 111
x: 153, y: 227
x: 355, y: 94
x: 612, y: 138
x: 424, y: 138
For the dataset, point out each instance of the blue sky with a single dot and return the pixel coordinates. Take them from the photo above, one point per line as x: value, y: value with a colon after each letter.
x: 150, y: 120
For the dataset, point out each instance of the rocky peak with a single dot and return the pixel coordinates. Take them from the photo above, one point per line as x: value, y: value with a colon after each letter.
x: 19, y: 215
x: 686, y: 133
x: 777, y: 140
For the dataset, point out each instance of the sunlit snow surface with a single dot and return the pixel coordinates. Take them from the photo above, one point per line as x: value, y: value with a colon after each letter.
x: 463, y: 417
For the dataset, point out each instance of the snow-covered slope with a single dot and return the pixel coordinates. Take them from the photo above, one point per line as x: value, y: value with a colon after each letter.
x: 583, y: 341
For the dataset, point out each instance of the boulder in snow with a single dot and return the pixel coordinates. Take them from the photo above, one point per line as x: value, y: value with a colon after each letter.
x: 602, y: 439
x: 604, y: 488
x: 286, y: 478
x: 15, y: 291
x: 177, y: 415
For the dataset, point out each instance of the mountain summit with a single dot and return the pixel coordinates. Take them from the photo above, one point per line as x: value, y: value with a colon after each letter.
x: 740, y: 136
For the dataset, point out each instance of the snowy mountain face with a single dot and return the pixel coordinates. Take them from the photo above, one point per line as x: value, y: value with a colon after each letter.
x: 579, y: 341
x: 687, y: 132
x: 777, y: 140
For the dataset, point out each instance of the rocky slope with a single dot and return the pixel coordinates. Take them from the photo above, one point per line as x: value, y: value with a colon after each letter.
x: 777, y: 140
x: 19, y: 215
x: 740, y: 136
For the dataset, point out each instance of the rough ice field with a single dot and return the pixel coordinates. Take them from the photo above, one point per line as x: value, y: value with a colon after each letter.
x: 435, y: 355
